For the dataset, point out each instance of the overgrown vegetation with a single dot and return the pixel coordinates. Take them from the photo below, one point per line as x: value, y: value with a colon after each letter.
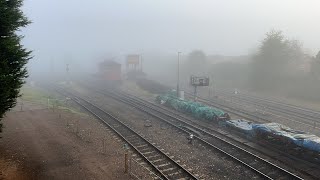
x: 13, y: 56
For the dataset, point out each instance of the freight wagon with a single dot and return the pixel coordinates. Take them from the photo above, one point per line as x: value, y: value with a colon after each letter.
x: 274, y: 134
x: 292, y: 141
x: 196, y: 109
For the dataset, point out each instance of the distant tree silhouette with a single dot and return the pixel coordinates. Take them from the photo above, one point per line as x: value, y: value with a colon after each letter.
x: 271, y: 63
x: 196, y: 62
x: 315, y: 67
x: 318, y: 56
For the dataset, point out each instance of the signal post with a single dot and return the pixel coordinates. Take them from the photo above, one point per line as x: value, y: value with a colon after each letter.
x: 196, y: 81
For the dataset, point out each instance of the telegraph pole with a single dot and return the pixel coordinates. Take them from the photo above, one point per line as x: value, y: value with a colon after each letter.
x: 178, y: 88
x: 141, y: 62
x: 67, y: 70
x: 51, y: 65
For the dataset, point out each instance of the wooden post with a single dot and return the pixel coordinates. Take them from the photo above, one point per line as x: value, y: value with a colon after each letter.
x: 77, y: 130
x: 104, y: 146
x: 89, y: 135
x: 130, y: 165
x: 126, y: 162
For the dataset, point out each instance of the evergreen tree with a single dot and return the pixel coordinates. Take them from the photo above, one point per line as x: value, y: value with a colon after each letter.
x: 13, y: 56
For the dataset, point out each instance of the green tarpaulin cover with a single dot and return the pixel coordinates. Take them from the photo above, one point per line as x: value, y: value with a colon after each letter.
x: 197, y: 110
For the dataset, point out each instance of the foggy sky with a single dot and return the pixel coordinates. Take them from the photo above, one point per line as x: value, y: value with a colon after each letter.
x: 80, y: 30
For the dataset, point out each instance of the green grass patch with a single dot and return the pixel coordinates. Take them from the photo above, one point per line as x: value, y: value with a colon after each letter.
x: 46, y: 98
x: 35, y: 95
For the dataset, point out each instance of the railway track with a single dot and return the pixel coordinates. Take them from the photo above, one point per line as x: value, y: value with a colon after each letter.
x: 262, y: 167
x: 289, y: 112
x: 268, y: 102
x: 164, y: 166
x: 231, y: 109
x: 295, y: 108
x: 270, y: 114
x: 312, y: 163
x: 266, y: 119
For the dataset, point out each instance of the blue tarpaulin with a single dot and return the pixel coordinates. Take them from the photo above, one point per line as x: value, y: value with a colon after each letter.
x: 241, y: 125
x: 300, y: 138
x: 308, y: 141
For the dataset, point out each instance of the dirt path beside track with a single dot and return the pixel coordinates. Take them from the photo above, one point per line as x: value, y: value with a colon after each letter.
x: 42, y: 144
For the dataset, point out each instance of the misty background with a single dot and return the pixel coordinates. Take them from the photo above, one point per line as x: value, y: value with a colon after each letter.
x: 216, y: 38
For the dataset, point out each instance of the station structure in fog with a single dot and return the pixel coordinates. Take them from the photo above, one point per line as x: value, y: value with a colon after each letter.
x: 134, y: 67
x: 110, y: 70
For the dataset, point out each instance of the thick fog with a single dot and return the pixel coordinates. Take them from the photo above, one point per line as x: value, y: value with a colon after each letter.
x: 227, y: 35
x: 84, y: 31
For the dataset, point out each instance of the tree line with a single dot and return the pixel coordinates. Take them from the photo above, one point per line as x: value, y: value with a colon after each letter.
x: 279, y: 66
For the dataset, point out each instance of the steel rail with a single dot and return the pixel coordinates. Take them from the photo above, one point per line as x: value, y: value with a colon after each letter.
x: 146, y: 103
x: 143, y: 106
x: 176, y: 169
x: 274, y: 104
